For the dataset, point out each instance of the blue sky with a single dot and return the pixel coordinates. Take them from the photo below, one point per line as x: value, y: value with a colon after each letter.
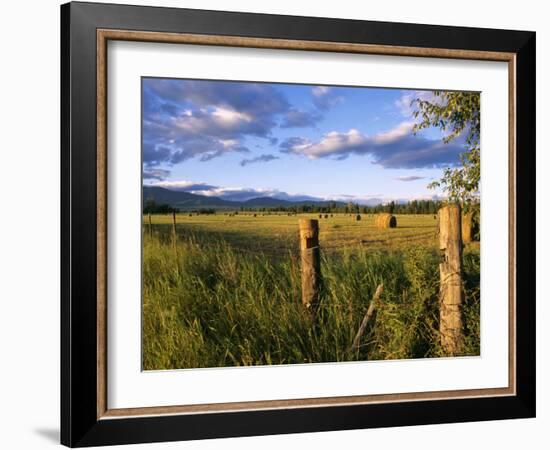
x: 239, y: 140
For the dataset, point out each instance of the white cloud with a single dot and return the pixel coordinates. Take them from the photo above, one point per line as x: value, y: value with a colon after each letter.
x: 206, y: 119
x: 400, y: 131
x: 319, y: 91
x: 395, y: 148
x: 228, y: 143
x: 230, y: 116
x: 325, y: 97
x: 218, y: 122
x: 181, y: 185
x: 332, y: 143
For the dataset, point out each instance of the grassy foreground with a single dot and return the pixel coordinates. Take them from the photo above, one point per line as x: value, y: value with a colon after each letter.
x: 229, y: 295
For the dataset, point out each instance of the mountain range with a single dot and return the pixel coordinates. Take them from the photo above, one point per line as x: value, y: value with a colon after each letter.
x: 186, y: 200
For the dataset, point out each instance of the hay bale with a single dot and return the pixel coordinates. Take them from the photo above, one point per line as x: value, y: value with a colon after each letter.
x: 385, y: 220
x: 358, y: 217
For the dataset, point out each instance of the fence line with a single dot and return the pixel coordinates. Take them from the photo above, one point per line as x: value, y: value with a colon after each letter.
x: 450, y: 232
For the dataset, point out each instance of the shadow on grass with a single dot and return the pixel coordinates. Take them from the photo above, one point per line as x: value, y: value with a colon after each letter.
x: 372, y: 241
x: 273, y: 246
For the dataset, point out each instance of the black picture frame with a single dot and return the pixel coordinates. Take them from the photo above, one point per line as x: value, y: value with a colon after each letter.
x: 80, y: 425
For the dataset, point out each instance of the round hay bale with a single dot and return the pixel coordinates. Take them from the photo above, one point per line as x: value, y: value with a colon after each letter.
x: 385, y: 220
x: 358, y: 217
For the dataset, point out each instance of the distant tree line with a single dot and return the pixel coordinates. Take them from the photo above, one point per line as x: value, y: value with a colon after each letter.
x: 152, y: 207
x: 412, y: 207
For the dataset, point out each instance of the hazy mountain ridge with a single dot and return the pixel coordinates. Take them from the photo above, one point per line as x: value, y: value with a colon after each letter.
x: 187, y: 200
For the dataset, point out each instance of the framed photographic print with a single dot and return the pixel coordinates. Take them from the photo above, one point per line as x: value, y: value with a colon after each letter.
x: 276, y: 224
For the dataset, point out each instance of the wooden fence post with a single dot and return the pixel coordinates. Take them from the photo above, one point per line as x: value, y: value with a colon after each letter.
x: 310, y: 263
x: 450, y: 289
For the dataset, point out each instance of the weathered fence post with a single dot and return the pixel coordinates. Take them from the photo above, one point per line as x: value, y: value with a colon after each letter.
x: 310, y: 262
x: 450, y: 289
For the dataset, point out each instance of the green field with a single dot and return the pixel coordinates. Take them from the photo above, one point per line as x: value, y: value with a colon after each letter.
x: 228, y: 293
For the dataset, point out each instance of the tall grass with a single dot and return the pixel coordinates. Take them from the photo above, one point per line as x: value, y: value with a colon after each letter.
x: 211, y: 305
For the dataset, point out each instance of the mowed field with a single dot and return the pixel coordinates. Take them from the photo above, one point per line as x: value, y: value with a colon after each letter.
x: 276, y: 233
x: 228, y: 293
